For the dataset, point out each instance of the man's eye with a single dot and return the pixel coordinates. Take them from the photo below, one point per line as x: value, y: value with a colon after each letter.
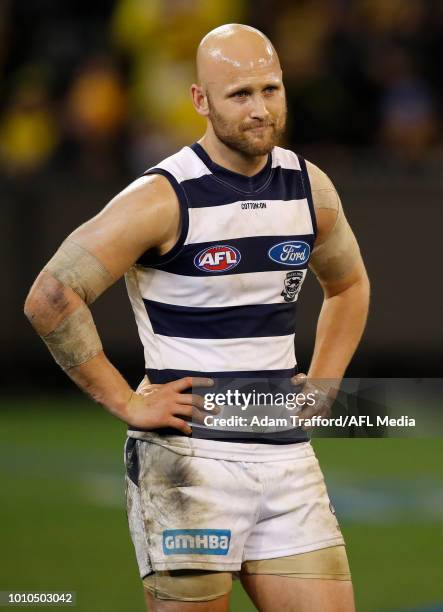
x: 271, y: 89
x: 241, y: 94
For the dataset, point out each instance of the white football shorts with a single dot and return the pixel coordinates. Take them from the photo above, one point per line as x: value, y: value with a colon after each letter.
x: 189, y: 510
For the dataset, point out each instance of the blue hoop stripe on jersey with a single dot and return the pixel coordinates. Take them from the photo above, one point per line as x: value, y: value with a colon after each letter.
x: 290, y: 436
x: 258, y: 320
x: 161, y: 377
x: 284, y: 185
x: 254, y: 256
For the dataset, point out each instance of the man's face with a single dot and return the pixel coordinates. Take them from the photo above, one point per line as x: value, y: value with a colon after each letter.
x: 248, y: 113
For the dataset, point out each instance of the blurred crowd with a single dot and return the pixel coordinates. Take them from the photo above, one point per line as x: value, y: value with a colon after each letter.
x: 104, y: 85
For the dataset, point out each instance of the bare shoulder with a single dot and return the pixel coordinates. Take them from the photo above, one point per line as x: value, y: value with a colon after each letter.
x: 323, y: 190
x: 144, y: 215
x: 148, y: 185
x: 325, y: 199
x: 146, y: 196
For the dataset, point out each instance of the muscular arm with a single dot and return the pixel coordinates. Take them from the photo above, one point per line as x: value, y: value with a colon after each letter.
x: 337, y: 263
x: 93, y: 257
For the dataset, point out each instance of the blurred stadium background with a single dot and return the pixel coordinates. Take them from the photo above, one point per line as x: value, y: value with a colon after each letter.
x: 92, y: 93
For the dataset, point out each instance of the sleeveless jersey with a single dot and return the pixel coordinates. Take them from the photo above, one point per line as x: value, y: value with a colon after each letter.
x: 222, y: 302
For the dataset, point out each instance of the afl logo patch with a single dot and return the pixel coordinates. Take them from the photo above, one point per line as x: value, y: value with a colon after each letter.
x: 217, y: 258
x: 290, y: 253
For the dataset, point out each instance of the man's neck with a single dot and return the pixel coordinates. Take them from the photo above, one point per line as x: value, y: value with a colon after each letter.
x: 229, y: 158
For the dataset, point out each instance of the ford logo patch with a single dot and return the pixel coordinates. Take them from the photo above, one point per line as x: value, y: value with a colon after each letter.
x: 290, y: 253
x: 217, y: 258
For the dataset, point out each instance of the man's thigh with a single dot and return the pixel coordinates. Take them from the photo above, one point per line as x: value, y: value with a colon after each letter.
x: 307, y: 582
x: 270, y: 593
x: 187, y: 591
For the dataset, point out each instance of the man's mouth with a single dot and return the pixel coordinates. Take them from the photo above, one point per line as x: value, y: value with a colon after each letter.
x: 259, y: 128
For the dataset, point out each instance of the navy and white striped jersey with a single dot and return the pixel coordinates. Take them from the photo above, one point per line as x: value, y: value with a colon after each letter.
x: 222, y: 302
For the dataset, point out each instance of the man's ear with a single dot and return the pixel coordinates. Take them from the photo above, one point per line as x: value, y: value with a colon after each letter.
x: 200, y: 100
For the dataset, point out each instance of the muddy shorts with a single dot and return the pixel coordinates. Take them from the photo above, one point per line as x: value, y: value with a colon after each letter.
x: 187, y: 511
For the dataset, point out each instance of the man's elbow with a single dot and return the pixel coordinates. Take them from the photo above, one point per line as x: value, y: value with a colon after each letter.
x: 354, y: 283
x: 34, y: 307
x: 359, y: 290
x: 48, y: 303
x: 29, y: 308
x: 364, y: 283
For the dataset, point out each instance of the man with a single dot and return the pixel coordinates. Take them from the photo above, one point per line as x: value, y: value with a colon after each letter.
x: 215, y: 242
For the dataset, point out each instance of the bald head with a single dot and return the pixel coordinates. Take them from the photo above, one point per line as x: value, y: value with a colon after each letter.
x: 233, y: 49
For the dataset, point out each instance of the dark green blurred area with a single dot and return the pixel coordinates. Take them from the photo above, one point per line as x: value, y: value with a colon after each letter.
x: 63, y: 523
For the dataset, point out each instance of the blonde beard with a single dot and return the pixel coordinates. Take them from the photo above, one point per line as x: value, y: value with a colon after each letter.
x: 238, y: 140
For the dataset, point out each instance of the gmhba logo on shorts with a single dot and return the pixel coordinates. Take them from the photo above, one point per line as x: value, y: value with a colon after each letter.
x: 290, y: 253
x: 196, y: 541
x: 217, y: 258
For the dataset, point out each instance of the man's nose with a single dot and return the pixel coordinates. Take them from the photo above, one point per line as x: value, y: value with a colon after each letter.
x: 259, y: 109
